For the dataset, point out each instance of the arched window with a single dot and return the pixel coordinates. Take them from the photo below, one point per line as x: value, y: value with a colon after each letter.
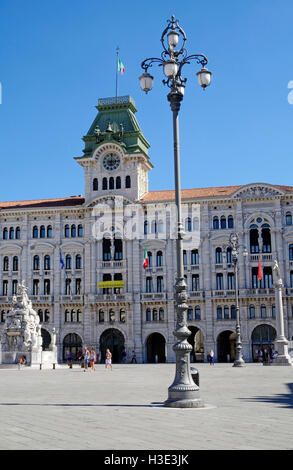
x: 78, y: 264
x: 36, y: 262
x: 67, y: 286
x: 148, y: 314
x: 291, y: 252
x: 78, y: 286
x: 95, y: 184
x: 67, y: 316
x: 146, y: 227
x: 161, y: 314
x: 15, y: 263
x: 219, y: 313
x: 188, y: 226
x: 5, y: 233
x: 5, y: 263
x: 40, y: 314
x: 233, y: 312
x: 47, y: 316
x: 111, y: 183
x: 229, y: 255
x: 11, y: 233
x: 230, y: 281
x: 80, y: 230
x: 46, y: 286
x: 42, y: 231
x: 160, y: 284
x: 219, y: 258
x: 196, y: 223
x: 49, y: 231
x: 230, y: 221
x: 154, y: 226
x: 190, y: 314
x: 219, y: 281
x: 66, y: 231
x: 160, y: 226
x: 215, y: 223
x: 155, y: 314
x: 150, y: 258
x: 17, y: 233
x: 73, y: 230
x: 159, y: 258
x: 47, y: 262
x: 106, y: 249
x: 194, y: 257
x: 101, y: 316
x: 263, y: 311
x: 118, y: 182
x: 122, y: 316
x: 105, y: 184
x: 73, y: 315
x: 226, y: 312
x: 118, y: 245
x: 127, y: 182
x: 266, y: 238
x: 253, y: 235
x: 78, y: 315
x: 35, y: 232
x: 67, y: 262
x: 184, y: 257
x: 273, y: 311
x: 223, y: 222
x: 197, y: 312
x: 251, y: 311
x: 288, y: 218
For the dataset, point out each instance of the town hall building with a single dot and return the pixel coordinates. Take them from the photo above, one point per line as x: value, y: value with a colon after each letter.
x: 81, y: 257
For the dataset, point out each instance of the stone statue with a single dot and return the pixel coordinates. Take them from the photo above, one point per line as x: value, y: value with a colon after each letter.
x: 277, y: 271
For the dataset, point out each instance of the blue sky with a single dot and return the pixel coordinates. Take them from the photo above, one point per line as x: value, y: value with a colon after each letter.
x: 58, y: 57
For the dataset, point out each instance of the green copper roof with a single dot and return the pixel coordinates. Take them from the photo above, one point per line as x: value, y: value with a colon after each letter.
x: 116, y: 122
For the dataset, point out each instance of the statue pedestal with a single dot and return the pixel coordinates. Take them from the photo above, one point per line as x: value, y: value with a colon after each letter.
x: 283, y: 358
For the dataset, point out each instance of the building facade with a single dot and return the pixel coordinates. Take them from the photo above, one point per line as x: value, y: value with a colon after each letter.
x: 64, y: 248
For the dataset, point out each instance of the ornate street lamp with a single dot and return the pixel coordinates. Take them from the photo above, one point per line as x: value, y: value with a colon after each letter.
x: 183, y: 393
x: 234, y: 244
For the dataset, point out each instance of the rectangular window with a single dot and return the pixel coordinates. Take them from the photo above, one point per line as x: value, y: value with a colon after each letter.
x: 14, y: 287
x: 230, y: 279
x: 35, y: 287
x: 78, y: 286
x: 159, y: 284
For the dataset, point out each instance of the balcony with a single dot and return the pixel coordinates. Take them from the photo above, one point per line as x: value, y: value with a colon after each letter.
x: 112, y: 264
x: 262, y: 256
x: 223, y: 293
x: 71, y: 298
x: 153, y: 296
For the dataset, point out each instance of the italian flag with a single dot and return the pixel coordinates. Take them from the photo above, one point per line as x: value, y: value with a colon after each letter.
x: 145, y: 259
x: 259, y: 273
x: 121, y: 67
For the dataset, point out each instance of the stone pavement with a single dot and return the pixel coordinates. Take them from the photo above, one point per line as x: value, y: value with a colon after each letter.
x: 247, y: 408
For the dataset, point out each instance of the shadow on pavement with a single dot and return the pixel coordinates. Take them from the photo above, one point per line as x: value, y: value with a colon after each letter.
x: 82, y: 404
x: 285, y: 400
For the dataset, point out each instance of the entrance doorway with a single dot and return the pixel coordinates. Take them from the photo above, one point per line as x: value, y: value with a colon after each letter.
x: 156, y: 348
x: 114, y: 340
x: 226, y: 344
x: 196, y: 340
x: 46, y: 339
x: 72, y: 343
x: 262, y: 339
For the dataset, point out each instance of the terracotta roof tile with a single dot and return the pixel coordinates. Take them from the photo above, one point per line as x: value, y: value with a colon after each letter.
x: 36, y: 203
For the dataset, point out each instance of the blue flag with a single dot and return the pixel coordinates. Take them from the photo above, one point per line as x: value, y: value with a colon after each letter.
x: 61, y: 260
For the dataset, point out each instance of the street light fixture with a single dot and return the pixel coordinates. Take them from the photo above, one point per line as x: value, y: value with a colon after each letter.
x: 234, y: 244
x: 183, y: 393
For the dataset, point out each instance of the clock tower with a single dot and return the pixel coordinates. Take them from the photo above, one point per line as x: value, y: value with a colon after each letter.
x: 115, y: 159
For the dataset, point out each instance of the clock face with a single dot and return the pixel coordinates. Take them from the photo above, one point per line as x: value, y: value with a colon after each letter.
x: 111, y: 161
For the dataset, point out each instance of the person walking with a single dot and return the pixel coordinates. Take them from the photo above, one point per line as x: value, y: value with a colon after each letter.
x: 92, y: 359
x: 108, y: 359
x: 133, y: 359
x: 86, y: 356
x: 211, y: 357
x: 69, y: 360
x: 124, y: 356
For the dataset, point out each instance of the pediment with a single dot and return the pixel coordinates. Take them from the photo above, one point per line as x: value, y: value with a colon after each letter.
x: 109, y: 201
x: 257, y: 191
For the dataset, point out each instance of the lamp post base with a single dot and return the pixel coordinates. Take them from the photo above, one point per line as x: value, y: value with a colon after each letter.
x: 239, y: 363
x: 197, y: 403
x: 188, y: 398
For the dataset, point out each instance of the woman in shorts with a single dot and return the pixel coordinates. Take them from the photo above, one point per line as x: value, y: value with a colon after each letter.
x: 108, y: 359
x: 92, y: 359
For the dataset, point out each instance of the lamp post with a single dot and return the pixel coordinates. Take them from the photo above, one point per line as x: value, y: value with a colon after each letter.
x: 234, y: 244
x: 183, y: 393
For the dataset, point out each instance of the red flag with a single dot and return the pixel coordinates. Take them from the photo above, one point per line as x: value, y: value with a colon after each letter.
x: 259, y: 273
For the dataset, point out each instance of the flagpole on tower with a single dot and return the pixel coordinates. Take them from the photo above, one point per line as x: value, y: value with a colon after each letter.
x: 117, y: 58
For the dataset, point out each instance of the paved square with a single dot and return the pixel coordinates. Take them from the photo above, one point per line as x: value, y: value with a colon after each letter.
x: 249, y: 408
